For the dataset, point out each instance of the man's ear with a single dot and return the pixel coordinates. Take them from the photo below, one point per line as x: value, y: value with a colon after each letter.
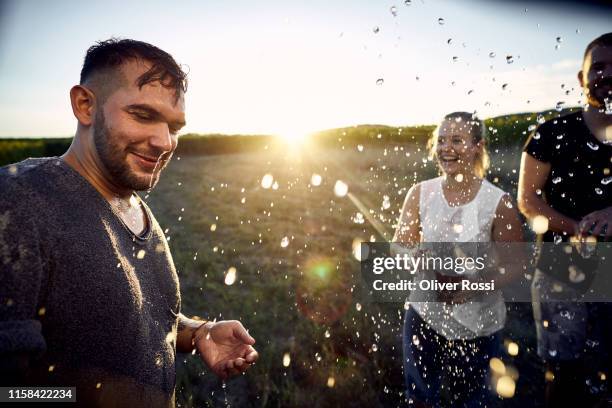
x: 83, y: 104
x: 580, y: 79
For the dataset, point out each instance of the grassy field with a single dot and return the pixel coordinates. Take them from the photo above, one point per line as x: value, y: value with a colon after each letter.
x: 297, y: 283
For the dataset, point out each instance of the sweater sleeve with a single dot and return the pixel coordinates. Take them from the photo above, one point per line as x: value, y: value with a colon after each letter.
x: 21, y: 274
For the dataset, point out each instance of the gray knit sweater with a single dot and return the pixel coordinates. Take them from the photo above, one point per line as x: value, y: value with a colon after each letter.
x: 83, y: 301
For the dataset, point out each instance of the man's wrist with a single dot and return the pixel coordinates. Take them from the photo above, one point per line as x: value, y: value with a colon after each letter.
x: 186, y: 332
x: 202, y: 331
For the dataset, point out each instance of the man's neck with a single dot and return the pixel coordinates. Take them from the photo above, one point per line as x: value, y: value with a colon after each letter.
x: 599, y: 123
x: 84, y: 164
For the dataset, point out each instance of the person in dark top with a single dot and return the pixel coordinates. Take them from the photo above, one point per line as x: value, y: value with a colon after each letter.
x: 89, y: 295
x: 565, y: 185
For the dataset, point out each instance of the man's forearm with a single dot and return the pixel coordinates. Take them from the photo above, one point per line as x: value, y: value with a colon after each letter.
x: 532, y: 205
x: 185, y: 332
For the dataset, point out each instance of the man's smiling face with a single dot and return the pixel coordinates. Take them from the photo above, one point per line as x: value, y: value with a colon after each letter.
x: 135, y: 130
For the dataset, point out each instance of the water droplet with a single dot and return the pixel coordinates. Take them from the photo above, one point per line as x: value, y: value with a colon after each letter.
x: 559, y: 106
x: 441, y: 21
x: 376, y: 30
x: 471, y: 91
x: 374, y: 347
x: 380, y: 81
x: 559, y: 40
x: 449, y: 41
x: 286, y: 360
x: 386, y: 203
x: 541, y: 119
x: 505, y: 386
x: 358, y: 307
x: 393, y: 11
x: 407, y: 2
x: 557, y: 180
x: 491, y: 54
x: 230, y: 276
x: 598, y: 191
x: 455, y: 59
x: 539, y: 224
x: 536, y: 136
x: 606, y: 181
x: 504, y: 86
x: 284, y: 242
x: 513, y: 349
x: 508, y: 226
x: 358, y: 218
x: 331, y: 381
x: 592, y: 145
x: 266, y: 181
x: 509, y: 59
x: 340, y: 188
x: 140, y: 254
x: 213, y: 227
x: 458, y: 228
x: 327, y: 334
x: 316, y: 179
x: 318, y: 357
x: 509, y: 204
x: 360, y: 148
x: 575, y: 275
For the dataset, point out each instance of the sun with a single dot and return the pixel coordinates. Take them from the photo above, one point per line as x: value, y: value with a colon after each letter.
x: 294, y: 141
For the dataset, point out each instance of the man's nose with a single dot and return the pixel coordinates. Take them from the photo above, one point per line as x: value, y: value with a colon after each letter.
x: 162, y: 139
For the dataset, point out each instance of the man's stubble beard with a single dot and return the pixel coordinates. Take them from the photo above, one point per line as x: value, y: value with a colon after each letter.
x: 598, y: 91
x: 114, y: 159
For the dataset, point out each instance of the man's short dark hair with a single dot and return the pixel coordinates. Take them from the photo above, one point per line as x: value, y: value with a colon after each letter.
x: 604, y: 40
x: 114, y: 52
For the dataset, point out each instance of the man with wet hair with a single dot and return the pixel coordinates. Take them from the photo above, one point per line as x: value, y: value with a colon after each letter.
x: 565, y: 181
x: 89, y: 295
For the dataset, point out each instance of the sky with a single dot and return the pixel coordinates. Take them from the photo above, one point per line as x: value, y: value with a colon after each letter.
x: 293, y: 67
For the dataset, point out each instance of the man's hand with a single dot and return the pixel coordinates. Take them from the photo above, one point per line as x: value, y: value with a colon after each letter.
x: 597, y: 223
x: 225, y: 347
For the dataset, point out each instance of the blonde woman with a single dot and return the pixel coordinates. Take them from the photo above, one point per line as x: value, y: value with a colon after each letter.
x: 449, y: 335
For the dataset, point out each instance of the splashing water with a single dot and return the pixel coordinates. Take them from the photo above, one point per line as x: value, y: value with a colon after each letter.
x: 284, y: 242
x: 316, y: 179
x: 592, y: 145
x: 266, y: 181
x: 230, y: 276
x: 340, y: 188
x: 155, y: 169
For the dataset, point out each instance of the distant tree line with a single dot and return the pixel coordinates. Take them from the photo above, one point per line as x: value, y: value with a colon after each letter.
x: 503, y: 131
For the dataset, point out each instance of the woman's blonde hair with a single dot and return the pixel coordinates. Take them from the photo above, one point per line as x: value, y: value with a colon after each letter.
x: 478, y: 132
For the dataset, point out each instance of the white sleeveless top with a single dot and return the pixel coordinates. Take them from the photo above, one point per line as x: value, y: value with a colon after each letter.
x: 439, y: 223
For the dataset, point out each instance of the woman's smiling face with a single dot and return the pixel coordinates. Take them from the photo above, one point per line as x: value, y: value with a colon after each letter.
x: 455, y: 148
